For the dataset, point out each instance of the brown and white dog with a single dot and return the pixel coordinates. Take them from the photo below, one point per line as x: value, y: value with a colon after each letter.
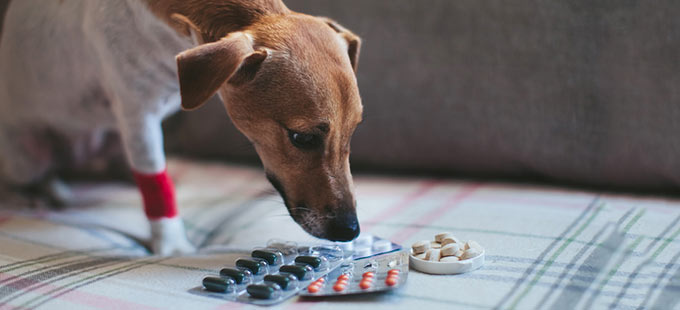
x: 85, y: 67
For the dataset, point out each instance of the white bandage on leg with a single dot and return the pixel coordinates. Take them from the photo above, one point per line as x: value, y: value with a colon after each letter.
x: 168, y: 236
x: 143, y: 141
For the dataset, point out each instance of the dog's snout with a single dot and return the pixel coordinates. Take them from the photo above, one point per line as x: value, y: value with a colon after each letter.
x: 343, y: 227
x: 335, y: 221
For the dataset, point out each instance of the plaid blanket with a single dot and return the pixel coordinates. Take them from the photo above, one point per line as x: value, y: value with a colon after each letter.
x: 546, y: 247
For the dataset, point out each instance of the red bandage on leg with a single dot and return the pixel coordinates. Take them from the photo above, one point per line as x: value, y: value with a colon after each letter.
x: 158, y: 194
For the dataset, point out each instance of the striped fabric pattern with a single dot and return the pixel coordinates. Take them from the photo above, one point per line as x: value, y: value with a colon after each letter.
x: 547, y: 248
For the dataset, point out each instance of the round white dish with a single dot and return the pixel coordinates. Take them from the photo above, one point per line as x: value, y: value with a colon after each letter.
x: 446, y: 268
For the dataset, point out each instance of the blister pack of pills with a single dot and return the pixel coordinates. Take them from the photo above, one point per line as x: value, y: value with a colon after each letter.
x: 382, y: 272
x: 282, y: 269
x: 273, y: 273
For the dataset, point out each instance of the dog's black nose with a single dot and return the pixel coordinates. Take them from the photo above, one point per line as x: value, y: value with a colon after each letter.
x: 344, y: 227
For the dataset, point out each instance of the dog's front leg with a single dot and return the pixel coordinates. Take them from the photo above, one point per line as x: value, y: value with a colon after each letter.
x: 143, y: 141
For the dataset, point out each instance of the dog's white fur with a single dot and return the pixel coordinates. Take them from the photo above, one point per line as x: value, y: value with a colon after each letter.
x: 117, y: 61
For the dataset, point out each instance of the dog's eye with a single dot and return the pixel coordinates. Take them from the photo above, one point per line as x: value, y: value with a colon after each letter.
x: 304, y: 140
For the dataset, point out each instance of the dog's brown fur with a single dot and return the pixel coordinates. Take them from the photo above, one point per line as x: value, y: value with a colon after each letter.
x: 216, y: 18
x: 279, y: 71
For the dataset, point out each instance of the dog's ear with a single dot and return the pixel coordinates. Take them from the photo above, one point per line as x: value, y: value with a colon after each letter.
x: 204, y: 69
x: 353, y: 41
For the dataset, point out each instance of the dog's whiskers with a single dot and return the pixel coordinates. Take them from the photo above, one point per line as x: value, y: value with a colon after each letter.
x: 300, y: 209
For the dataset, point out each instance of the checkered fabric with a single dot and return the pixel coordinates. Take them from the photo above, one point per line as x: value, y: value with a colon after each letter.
x: 547, y: 248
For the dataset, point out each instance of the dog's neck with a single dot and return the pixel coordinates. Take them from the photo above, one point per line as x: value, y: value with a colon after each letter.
x: 216, y: 18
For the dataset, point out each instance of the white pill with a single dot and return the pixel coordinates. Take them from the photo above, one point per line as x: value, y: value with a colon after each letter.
x: 472, y: 245
x: 363, y: 240
x: 450, y: 249
x: 346, y: 246
x: 435, y: 245
x: 449, y: 239
x: 440, y: 236
x: 471, y: 253
x: 433, y: 255
x: 421, y: 246
x: 382, y: 245
x: 449, y: 259
x: 362, y: 251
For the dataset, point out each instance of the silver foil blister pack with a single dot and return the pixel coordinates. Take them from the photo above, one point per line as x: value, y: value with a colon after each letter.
x: 283, y: 269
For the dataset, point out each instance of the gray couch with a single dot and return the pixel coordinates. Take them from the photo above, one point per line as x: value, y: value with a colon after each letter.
x: 579, y: 91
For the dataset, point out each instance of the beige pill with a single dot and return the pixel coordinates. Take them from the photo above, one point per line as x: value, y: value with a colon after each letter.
x: 440, y: 236
x: 421, y: 256
x: 472, y: 245
x: 449, y: 259
x: 433, y: 255
x: 449, y: 239
x: 450, y: 249
x: 459, y: 253
x: 471, y: 253
x: 420, y: 246
x: 435, y: 245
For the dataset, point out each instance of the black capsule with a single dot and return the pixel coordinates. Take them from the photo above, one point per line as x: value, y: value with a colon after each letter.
x: 270, y: 257
x: 282, y: 280
x: 313, y: 261
x: 261, y: 291
x: 298, y: 271
x: 254, y: 266
x: 233, y: 273
x: 216, y: 284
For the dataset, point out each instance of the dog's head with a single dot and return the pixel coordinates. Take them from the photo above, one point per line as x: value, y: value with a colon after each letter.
x: 288, y: 83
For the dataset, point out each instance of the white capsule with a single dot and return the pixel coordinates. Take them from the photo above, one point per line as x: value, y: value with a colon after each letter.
x: 450, y: 249
x: 440, y: 236
x: 471, y: 253
x: 449, y: 239
x: 449, y: 259
x: 421, y: 246
x: 433, y: 255
x: 473, y: 245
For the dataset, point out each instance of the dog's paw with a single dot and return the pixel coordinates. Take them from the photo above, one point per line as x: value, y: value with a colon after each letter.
x: 169, y: 238
x: 57, y: 193
x: 50, y: 193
